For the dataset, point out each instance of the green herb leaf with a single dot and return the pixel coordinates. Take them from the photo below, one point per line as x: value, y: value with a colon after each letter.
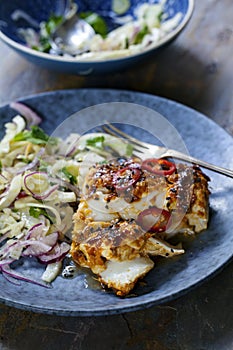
x: 160, y: 16
x: 21, y: 136
x: 38, y: 133
x: 36, y: 136
x: 47, y: 29
x: 36, y: 212
x: 45, y: 45
x: 96, y: 142
x: 96, y: 21
x: 52, y: 23
x: 69, y: 176
x: 140, y: 35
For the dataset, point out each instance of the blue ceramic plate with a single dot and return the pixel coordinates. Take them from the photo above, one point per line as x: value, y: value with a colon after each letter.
x: 205, y: 255
x: 41, y: 11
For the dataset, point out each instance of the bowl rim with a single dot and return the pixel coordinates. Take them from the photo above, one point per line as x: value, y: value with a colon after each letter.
x: 53, y: 58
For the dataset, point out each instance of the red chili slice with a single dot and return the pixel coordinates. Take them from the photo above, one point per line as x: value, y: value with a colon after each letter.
x: 159, y: 166
x: 126, y: 177
x: 154, y: 219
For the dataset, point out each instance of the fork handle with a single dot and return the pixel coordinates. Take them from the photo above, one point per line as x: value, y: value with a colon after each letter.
x: 215, y: 168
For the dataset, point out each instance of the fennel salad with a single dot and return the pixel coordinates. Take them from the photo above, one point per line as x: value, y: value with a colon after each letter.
x: 40, y: 181
x: 131, y: 34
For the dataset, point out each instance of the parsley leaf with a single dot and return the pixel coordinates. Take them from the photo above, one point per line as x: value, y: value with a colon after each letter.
x: 36, y: 212
x: 36, y: 136
x: 38, y: 133
x: 96, y: 21
x: 96, y: 142
x: 69, y: 176
x: 52, y: 23
x: 140, y: 35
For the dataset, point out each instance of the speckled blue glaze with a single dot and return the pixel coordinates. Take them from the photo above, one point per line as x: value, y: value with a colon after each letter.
x: 41, y: 10
x: 206, y: 255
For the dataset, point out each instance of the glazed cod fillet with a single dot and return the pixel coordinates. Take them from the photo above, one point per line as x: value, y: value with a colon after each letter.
x: 128, y: 210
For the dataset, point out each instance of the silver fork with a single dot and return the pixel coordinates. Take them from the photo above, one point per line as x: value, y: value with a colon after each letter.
x: 143, y: 148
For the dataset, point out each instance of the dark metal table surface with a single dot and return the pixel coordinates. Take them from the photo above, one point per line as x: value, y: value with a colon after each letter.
x: 197, y: 70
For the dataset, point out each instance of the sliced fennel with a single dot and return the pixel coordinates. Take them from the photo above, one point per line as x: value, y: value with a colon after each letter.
x: 40, y: 183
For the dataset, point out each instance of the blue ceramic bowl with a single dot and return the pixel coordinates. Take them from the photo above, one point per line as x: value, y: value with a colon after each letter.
x: 40, y: 10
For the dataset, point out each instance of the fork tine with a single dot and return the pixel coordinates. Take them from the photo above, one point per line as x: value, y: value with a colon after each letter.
x: 109, y: 128
x: 113, y: 133
x: 110, y: 131
x: 138, y: 154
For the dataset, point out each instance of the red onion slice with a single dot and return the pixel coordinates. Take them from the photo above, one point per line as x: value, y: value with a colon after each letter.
x: 31, y: 116
x: 41, y: 246
x: 33, y: 163
x: 55, y: 255
x: 47, y: 193
x: 6, y: 262
x: 71, y: 151
x: 17, y: 275
x: 3, y: 177
x: 68, y: 185
x: 10, y: 278
x: 5, y: 191
x: 43, y: 195
x: 5, y: 236
x: 6, y: 249
x: 35, y: 230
